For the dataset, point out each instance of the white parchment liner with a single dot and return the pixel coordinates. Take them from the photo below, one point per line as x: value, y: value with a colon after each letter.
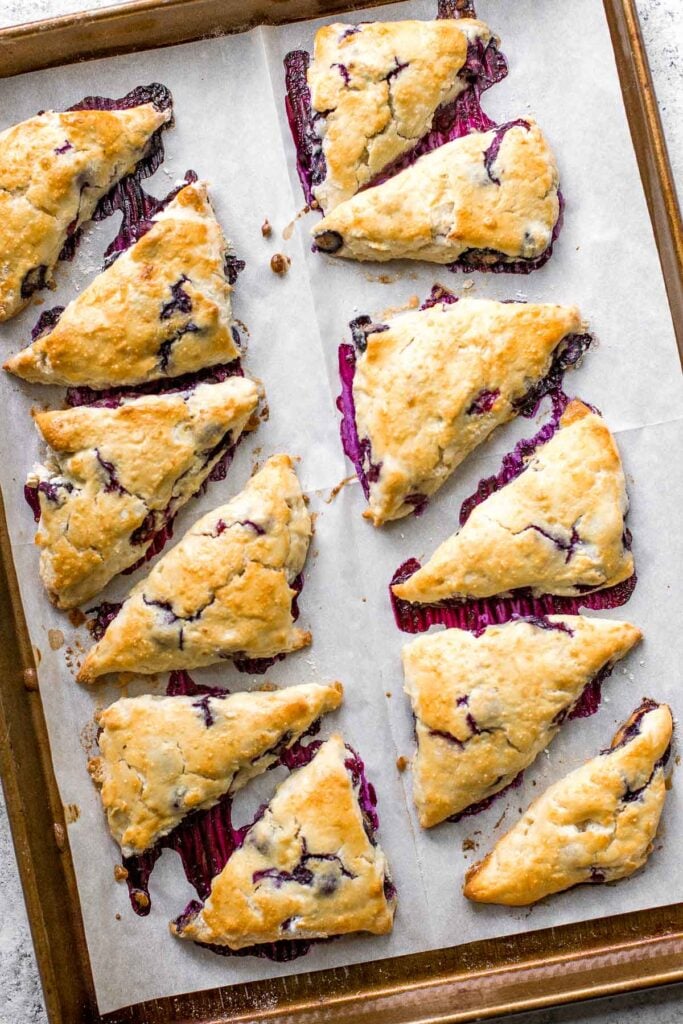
x: 232, y: 130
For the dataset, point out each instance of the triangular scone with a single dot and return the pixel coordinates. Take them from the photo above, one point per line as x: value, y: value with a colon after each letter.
x: 114, y: 477
x: 223, y: 590
x: 558, y: 528
x: 595, y: 825
x: 306, y: 870
x: 54, y: 169
x: 161, y: 310
x: 432, y: 384
x: 453, y: 200
x: 375, y: 88
x: 486, y: 705
x: 163, y: 757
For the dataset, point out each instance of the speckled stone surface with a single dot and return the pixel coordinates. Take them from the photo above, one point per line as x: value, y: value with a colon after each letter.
x: 20, y: 995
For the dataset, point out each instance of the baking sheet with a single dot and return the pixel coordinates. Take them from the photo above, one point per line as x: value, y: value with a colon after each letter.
x: 230, y: 128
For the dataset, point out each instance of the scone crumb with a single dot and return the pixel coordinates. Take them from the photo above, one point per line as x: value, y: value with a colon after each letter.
x: 120, y: 873
x: 279, y: 263
x: 55, y: 638
x: 117, y: 917
x: 387, y: 693
x: 60, y: 835
x: 267, y: 687
x: 468, y: 844
x: 76, y: 617
x: 141, y: 899
x: 402, y: 763
x: 338, y: 487
x: 72, y: 813
x: 266, y: 228
x: 30, y: 678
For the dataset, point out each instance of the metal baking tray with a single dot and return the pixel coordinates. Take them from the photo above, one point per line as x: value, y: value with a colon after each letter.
x: 474, y: 981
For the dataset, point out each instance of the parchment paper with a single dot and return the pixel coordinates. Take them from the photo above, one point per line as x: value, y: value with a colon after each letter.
x: 231, y: 128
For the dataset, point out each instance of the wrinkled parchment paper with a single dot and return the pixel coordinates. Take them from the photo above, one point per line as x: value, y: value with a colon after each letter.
x: 231, y: 129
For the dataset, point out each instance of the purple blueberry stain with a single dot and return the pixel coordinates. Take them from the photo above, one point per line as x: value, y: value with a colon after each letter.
x: 204, y: 707
x: 568, y: 546
x: 344, y: 72
x: 60, y: 150
x: 491, y: 154
x: 103, y: 616
x: 484, y: 66
x: 396, y: 69
x: 483, y: 805
x: 483, y: 402
x: 54, y: 490
x: 113, y: 484
x: 205, y: 841
x: 166, y: 347
x: 128, y: 196
x: 180, y: 301
x: 33, y: 280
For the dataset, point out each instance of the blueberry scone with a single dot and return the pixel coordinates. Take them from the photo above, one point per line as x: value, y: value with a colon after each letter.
x: 557, y: 528
x: 307, y: 868
x: 54, y: 169
x: 431, y: 384
x: 114, y: 477
x: 597, y: 824
x: 224, y: 591
x: 162, y: 758
x: 486, y: 705
x: 490, y: 197
x: 162, y: 309
x: 375, y: 89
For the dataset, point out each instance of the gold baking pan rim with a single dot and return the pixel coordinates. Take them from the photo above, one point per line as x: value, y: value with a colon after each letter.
x: 479, y: 980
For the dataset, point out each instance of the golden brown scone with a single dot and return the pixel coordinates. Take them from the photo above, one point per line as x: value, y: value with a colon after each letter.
x: 224, y: 590
x: 306, y: 870
x: 433, y: 385
x: 163, y: 757
x: 448, y: 202
x: 114, y: 477
x: 161, y: 309
x: 595, y: 825
x: 54, y: 169
x: 558, y: 528
x: 376, y: 87
x: 487, y: 705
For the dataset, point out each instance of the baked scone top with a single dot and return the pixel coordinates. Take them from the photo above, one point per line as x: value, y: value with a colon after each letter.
x: 452, y: 200
x: 377, y: 87
x: 54, y: 169
x: 306, y: 870
x: 486, y: 705
x: 161, y: 309
x: 433, y: 386
x: 557, y: 528
x: 595, y: 825
x: 115, y: 476
x: 223, y: 590
x: 163, y: 757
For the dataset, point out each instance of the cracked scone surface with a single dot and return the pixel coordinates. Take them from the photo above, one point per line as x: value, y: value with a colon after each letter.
x: 162, y: 309
x: 597, y: 824
x: 307, y: 868
x: 114, y: 477
x: 376, y: 88
x: 486, y: 705
x: 54, y: 169
x: 557, y: 528
x: 163, y: 757
x: 433, y: 385
x: 453, y: 200
x: 224, y: 590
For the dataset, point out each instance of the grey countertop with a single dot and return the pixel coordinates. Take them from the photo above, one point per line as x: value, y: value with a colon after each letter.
x: 20, y: 995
